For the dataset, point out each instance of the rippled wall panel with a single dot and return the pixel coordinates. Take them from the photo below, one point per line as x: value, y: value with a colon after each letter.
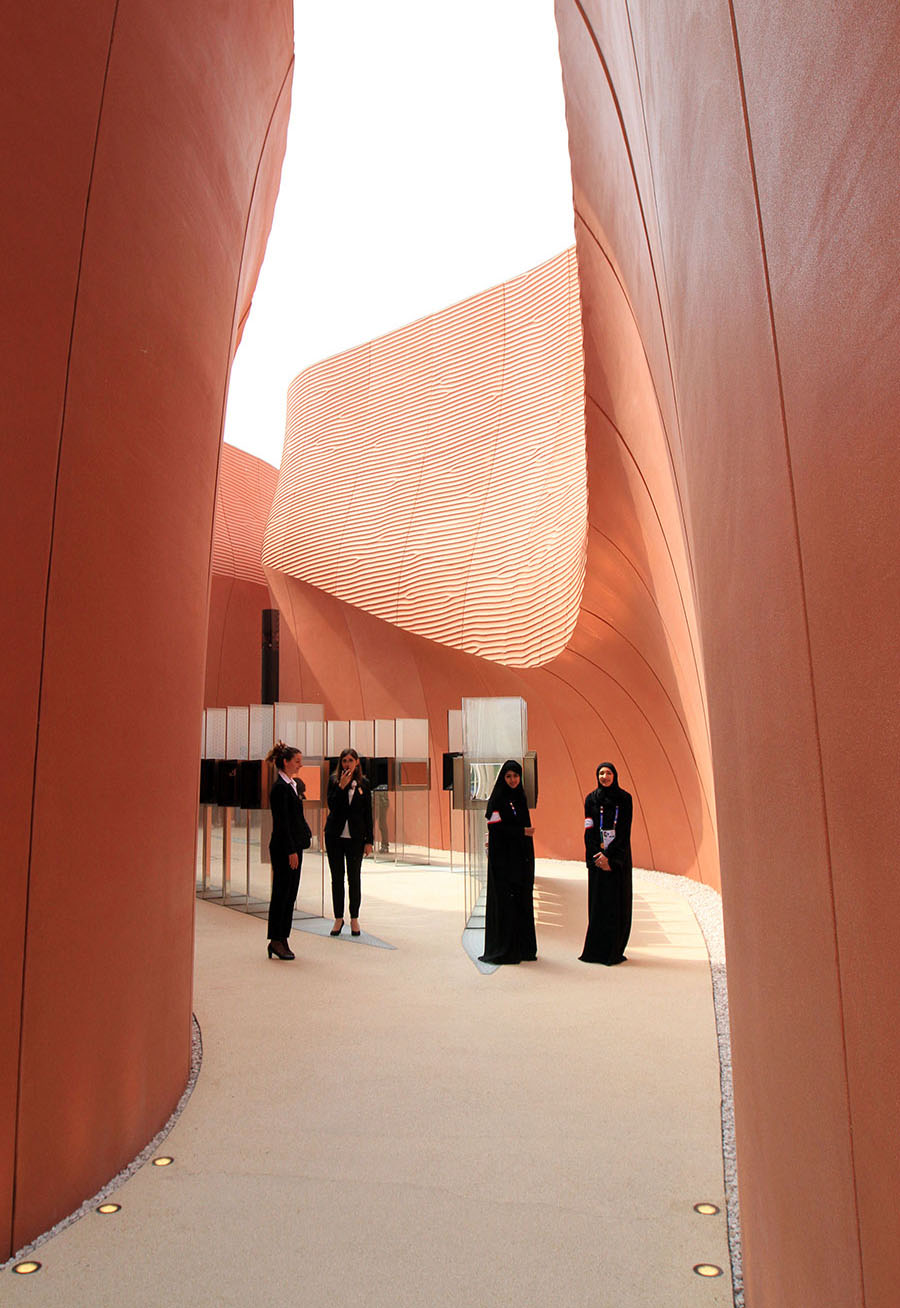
x: 435, y: 477
x: 144, y: 141
x: 735, y: 186
x: 365, y: 510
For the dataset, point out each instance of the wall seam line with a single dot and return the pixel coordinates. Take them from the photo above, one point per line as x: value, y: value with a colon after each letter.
x: 807, y: 636
x: 40, y: 687
x: 637, y: 190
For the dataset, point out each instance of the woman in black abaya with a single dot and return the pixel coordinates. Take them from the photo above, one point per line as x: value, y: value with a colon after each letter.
x: 607, y: 848
x: 509, y: 920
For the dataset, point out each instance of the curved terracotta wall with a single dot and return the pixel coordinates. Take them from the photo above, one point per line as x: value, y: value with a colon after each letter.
x: 735, y: 187
x: 145, y: 141
x: 626, y: 682
x: 239, y: 590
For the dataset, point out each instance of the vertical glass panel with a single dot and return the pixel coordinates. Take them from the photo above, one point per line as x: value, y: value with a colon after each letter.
x: 384, y: 823
x: 412, y: 738
x: 238, y: 871
x: 385, y: 737
x: 312, y: 739
x: 216, y: 832
x: 286, y: 720
x: 259, y: 869
x: 362, y: 738
x: 215, y: 733
x: 495, y: 728
x: 237, y: 732
x: 262, y: 729
x: 338, y: 738
x: 455, y: 731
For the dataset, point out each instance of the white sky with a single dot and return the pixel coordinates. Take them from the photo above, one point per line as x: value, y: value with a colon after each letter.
x: 426, y: 161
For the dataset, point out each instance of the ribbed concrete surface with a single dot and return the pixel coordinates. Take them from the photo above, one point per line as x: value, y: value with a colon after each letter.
x: 377, y: 1126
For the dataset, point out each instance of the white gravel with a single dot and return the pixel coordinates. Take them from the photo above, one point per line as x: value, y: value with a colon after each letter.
x: 706, y: 904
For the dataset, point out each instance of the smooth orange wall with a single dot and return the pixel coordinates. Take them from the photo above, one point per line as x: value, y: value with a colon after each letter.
x: 146, y: 140
x: 735, y: 190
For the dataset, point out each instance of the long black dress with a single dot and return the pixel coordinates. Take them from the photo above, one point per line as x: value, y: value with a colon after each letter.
x: 509, y: 935
x: 609, y: 893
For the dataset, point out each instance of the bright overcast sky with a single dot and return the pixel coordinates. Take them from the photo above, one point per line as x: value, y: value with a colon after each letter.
x: 426, y: 161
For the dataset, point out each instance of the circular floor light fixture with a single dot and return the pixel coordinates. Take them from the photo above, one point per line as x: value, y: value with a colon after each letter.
x: 163, y: 1162
x: 707, y: 1269
x: 706, y: 1210
x: 25, y: 1269
x: 109, y: 1208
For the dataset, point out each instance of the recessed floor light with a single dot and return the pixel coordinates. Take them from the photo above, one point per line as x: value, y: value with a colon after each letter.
x: 109, y: 1208
x: 25, y: 1269
x: 163, y: 1162
x: 707, y: 1269
x: 706, y: 1209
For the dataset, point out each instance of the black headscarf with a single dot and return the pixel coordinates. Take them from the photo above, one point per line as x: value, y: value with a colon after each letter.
x: 607, y: 795
x: 509, y: 801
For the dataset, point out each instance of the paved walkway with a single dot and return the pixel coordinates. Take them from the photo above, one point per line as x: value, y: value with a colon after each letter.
x: 392, y: 1127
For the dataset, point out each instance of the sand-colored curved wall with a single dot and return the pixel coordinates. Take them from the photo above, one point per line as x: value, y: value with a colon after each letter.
x: 372, y: 523
x: 735, y: 186
x: 144, y: 146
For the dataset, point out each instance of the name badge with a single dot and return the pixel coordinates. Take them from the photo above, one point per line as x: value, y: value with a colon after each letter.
x: 608, y: 835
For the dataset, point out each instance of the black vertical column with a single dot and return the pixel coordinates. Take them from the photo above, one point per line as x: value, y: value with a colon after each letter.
x: 269, y: 693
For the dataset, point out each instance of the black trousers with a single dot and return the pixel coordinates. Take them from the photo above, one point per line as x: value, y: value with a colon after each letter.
x: 285, y: 884
x: 340, y: 852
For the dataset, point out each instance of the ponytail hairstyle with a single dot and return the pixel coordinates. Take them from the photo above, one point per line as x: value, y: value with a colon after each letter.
x: 279, y: 755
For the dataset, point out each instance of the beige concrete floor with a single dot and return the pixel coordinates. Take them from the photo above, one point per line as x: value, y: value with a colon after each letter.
x: 392, y: 1127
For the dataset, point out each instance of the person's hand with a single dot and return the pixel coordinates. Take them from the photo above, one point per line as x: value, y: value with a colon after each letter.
x: 529, y: 831
x: 367, y: 851
x: 293, y: 861
x: 346, y: 777
x: 602, y: 861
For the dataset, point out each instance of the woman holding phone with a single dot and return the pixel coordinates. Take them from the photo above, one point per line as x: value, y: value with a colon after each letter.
x: 348, y: 835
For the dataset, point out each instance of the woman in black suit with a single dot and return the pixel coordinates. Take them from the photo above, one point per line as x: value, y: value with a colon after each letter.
x: 348, y: 835
x: 290, y: 836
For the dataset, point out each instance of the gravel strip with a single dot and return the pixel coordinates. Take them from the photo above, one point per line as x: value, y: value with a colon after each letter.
x: 706, y: 904
x: 143, y: 1157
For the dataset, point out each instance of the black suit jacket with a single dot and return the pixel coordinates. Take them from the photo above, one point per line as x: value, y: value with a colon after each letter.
x: 290, y: 830
x: 358, y: 814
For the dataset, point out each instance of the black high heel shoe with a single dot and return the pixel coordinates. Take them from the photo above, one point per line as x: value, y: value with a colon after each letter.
x: 336, y: 931
x: 279, y: 949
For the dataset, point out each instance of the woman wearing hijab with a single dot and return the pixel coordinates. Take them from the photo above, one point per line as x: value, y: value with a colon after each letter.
x: 607, y: 848
x: 290, y: 836
x: 348, y: 835
x: 509, y: 920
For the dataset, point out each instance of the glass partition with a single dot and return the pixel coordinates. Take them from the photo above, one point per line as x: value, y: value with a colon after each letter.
x: 452, y: 783
x: 493, y: 730
x: 412, y: 791
x: 210, y: 832
x: 384, y: 806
